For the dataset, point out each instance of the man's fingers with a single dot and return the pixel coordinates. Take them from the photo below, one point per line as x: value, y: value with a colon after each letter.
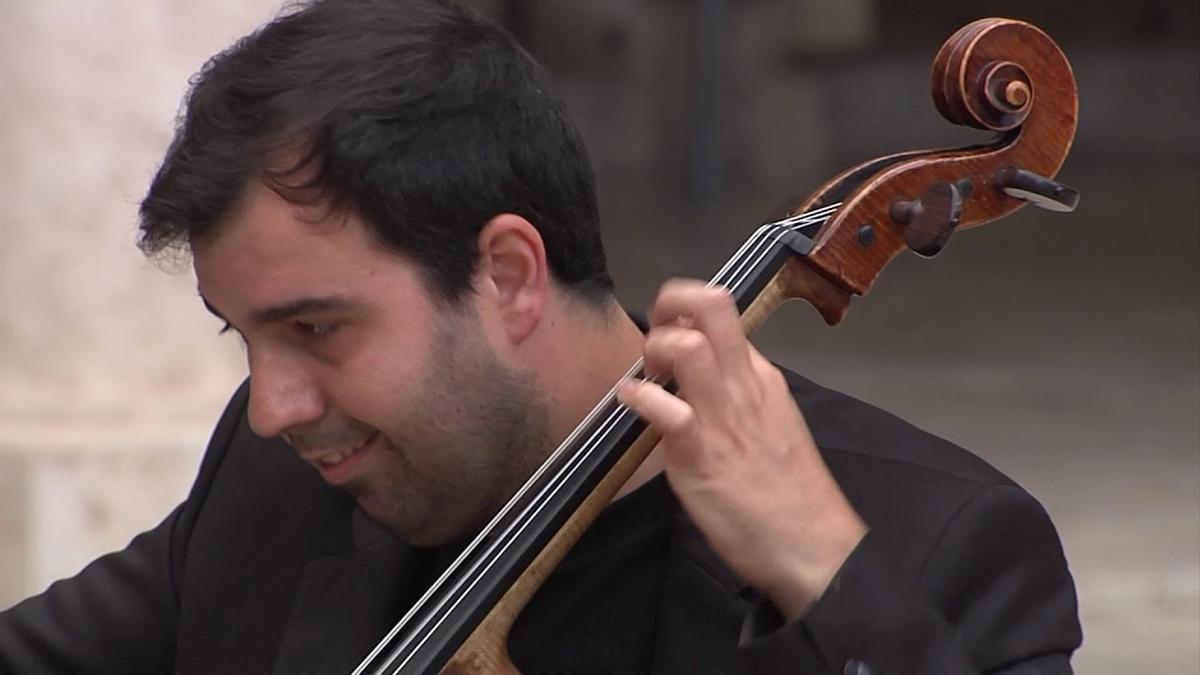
x: 686, y: 356
x: 660, y: 408
x: 670, y: 302
x: 710, y: 310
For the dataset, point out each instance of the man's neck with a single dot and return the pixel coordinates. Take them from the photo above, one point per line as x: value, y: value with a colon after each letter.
x: 587, y: 355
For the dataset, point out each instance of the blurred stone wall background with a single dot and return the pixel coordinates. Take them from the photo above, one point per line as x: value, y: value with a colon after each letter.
x: 1064, y: 349
x: 109, y: 372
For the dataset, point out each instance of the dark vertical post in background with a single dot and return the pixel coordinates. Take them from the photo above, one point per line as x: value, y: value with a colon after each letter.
x: 706, y: 104
x: 513, y: 17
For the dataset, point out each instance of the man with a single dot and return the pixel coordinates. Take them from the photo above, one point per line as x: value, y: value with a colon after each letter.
x: 390, y: 207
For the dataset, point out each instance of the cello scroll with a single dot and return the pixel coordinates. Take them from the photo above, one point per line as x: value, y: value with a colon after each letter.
x: 997, y: 74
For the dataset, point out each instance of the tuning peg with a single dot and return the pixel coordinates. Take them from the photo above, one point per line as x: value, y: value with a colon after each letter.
x: 930, y: 220
x: 1037, y: 190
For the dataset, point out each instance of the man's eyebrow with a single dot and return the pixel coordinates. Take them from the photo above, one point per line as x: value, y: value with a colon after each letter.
x: 300, y: 307
x: 291, y: 309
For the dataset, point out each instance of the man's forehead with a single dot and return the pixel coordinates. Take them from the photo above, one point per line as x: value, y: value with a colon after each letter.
x: 266, y: 288
x: 267, y: 235
x: 272, y: 257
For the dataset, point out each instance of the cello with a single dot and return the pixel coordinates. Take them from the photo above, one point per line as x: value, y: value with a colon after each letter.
x: 1001, y: 75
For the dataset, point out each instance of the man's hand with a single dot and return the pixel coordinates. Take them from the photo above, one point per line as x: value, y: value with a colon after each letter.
x: 738, y: 453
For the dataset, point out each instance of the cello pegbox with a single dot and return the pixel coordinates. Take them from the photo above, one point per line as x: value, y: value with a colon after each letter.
x: 1001, y: 75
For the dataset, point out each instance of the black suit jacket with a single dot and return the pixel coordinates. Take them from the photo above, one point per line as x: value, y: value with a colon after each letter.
x: 265, y: 569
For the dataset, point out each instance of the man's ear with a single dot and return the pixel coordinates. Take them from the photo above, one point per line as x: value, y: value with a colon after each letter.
x: 512, y: 275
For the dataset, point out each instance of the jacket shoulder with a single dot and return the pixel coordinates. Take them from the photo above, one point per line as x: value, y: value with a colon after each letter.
x: 907, y: 484
x: 844, y: 425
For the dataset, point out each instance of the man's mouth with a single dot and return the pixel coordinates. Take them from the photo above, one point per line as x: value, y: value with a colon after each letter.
x: 338, y: 465
x: 334, y: 457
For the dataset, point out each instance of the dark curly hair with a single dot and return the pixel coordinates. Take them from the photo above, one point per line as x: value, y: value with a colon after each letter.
x: 418, y: 116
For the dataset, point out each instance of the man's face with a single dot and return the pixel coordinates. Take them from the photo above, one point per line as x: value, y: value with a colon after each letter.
x: 391, y: 395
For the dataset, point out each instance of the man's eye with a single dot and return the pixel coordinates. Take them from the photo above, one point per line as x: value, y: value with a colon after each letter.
x: 318, y: 329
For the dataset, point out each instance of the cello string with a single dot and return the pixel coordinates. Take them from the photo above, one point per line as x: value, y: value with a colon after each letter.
x: 549, y: 491
x: 478, y: 541
x: 516, y: 500
x: 769, y: 234
x: 818, y: 215
x: 756, y: 240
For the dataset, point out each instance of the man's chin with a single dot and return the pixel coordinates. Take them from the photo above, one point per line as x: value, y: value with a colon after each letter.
x: 427, y: 530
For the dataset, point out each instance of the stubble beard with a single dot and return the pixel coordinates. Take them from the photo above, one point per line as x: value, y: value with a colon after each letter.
x: 478, y: 430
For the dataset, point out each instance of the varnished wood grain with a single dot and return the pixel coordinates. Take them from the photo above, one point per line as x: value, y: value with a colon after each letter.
x: 1039, y: 145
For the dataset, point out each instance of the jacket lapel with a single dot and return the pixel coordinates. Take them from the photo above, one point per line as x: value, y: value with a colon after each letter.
x: 344, y: 604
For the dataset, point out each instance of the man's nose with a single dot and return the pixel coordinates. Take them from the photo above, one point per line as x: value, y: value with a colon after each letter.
x: 282, y: 398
